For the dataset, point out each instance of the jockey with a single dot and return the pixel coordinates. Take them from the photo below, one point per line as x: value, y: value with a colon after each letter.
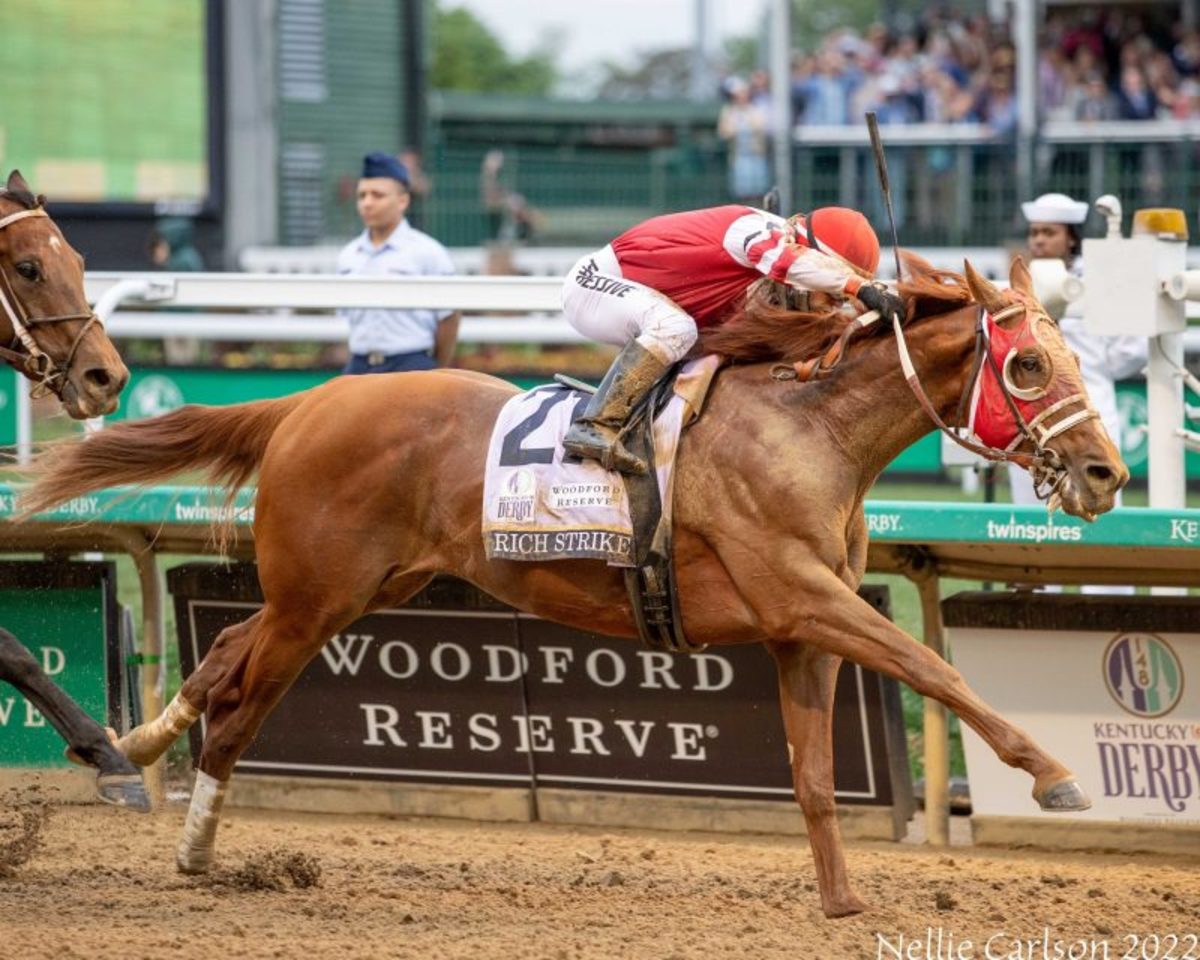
x: 652, y: 288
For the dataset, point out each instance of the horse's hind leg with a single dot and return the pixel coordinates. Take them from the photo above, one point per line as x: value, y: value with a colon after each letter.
x: 807, y: 681
x: 281, y: 642
x: 118, y: 782
x: 146, y: 743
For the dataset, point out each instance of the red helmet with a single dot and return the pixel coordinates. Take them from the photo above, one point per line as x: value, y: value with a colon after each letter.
x: 845, y: 234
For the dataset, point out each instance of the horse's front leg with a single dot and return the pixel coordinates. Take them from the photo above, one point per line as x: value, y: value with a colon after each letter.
x: 818, y: 608
x: 807, y: 681
x: 118, y: 781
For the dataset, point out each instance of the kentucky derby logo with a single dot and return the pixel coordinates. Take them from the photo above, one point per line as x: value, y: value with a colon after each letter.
x: 516, y: 502
x: 1143, y: 674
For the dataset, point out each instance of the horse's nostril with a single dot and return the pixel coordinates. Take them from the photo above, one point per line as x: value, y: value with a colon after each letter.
x: 1099, y: 473
x: 98, y: 378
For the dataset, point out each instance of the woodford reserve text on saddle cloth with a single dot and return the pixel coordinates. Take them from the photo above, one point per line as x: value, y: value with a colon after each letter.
x: 536, y: 507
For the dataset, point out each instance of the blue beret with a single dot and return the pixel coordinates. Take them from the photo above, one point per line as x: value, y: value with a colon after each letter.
x: 381, y: 164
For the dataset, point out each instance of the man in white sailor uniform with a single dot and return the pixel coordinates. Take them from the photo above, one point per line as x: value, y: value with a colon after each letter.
x: 1056, y: 232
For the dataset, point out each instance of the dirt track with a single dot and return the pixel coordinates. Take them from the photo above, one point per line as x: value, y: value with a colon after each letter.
x: 103, y: 884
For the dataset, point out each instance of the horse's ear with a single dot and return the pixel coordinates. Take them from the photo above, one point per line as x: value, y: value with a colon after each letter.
x: 983, y: 290
x: 1019, y: 277
x: 16, y: 183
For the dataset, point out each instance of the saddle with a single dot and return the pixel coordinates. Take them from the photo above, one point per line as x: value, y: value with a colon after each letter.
x: 650, y: 582
x: 542, y: 504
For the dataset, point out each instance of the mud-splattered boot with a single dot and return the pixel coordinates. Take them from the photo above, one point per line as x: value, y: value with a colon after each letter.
x: 594, y: 436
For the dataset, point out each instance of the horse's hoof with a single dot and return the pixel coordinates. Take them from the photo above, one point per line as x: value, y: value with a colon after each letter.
x: 1066, y: 795
x: 123, y: 790
x: 190, y: 865
x: 849, y: 907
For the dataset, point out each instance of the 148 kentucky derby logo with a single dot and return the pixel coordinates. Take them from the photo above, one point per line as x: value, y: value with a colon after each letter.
x: 1143, y: 674
x: 517, y: 500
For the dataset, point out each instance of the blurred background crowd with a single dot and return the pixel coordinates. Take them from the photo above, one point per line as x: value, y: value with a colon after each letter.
x: 949, y: 66
x: 528, y: 124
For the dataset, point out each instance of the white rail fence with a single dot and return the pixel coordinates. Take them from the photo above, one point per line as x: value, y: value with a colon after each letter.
x: 556, y: 261
x: 533, y: 305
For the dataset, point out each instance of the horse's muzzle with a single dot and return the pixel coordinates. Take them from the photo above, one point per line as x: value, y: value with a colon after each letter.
x: 94, y: 391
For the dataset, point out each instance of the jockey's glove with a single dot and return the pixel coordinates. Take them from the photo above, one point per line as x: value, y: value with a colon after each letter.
x: 879, y: 298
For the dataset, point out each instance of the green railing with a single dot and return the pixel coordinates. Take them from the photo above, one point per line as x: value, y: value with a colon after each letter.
x: 953, y: 185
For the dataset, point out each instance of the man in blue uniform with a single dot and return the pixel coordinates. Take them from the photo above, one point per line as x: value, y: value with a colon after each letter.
x: 389, y: 341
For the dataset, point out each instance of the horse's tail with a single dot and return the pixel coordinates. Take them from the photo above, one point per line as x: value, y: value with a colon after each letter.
x: 226, y: 444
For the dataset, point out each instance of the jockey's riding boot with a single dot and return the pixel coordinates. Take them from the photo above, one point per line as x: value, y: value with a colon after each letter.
x: 594, y: 435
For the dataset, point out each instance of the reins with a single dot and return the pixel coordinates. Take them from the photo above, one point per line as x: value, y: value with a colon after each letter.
x: 48, y: 375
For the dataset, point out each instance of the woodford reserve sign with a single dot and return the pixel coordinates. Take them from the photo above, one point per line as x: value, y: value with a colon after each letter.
x: 458, y: 688
x: 66, y: 613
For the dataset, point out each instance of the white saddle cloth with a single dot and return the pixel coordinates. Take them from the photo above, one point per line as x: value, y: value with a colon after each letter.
x: 536, y: 507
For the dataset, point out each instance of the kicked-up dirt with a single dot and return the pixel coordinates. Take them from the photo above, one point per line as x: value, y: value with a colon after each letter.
x: 90, y: 881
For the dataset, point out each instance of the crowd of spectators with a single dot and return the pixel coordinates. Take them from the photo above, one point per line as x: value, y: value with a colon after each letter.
x: 951, y: 67
x: 1118, y: 67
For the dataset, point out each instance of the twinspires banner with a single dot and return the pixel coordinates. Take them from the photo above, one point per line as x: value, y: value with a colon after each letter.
x: 458, y: 688
x: 1100, y: 683
x: 66, y: 615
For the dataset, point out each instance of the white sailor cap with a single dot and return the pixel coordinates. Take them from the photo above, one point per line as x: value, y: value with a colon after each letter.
x: 1055, y: 208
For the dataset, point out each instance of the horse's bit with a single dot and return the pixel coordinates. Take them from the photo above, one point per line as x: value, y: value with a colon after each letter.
x: 48, y: 375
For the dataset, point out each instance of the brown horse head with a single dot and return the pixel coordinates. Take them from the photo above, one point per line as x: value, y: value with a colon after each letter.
x: 1040, y: 373
x: 52, y: 335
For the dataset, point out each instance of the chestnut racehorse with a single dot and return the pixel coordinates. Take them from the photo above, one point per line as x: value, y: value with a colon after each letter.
x: 52, y: 337
x: 369, y: 486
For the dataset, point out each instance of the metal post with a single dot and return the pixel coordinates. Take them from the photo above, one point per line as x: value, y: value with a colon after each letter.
x: 1025, y: 16
x: 24, y: 419
x: 848, y: 177
x: 1096, y: 164
x: 781, y: 100
x: 251, y: 134
x: 937, y: 728
x: 153, y: 630
x: 964, y: 193
x: 700, y: 82
x: 1164, y: 400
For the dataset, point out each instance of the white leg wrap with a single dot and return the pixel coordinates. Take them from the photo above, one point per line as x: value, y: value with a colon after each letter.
x: 146, y: 743
x: 195, y: 851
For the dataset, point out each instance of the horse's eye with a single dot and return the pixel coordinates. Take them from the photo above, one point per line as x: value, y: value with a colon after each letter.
x: 28, y: 270
x: 1031, y: 364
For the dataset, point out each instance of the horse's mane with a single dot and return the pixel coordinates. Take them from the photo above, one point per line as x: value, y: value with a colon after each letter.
x: 765, y: 329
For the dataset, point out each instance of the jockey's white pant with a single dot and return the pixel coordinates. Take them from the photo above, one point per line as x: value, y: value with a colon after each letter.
x: 603, y: 305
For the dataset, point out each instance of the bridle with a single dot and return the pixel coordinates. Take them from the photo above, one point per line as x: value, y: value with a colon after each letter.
x: 49, y: 375
x: 1043, y: 463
